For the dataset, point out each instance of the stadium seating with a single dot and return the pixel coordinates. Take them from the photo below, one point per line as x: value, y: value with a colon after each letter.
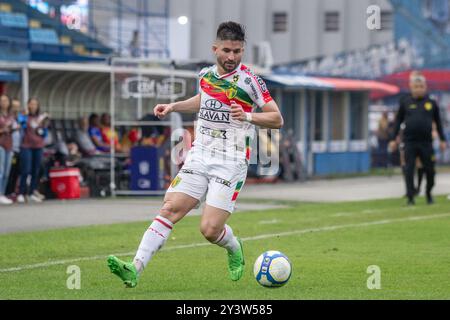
x: 26, y: 33
x: 13, y: 20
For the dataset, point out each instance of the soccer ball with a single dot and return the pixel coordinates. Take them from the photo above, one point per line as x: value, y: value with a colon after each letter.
x: 272, y: 269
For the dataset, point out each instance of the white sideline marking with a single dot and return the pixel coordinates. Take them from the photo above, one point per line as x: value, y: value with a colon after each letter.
x: 262, y: 236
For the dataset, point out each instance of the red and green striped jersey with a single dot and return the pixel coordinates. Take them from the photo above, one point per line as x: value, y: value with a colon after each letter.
x: 216, y: 130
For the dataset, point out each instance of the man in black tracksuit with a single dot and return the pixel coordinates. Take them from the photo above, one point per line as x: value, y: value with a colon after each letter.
x: 418, y: 112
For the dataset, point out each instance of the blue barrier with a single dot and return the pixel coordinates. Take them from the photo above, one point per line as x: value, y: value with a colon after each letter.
x: 145, y: 169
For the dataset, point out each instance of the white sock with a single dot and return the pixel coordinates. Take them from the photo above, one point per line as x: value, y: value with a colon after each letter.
x: 227, y: 240
x: 154, y: 238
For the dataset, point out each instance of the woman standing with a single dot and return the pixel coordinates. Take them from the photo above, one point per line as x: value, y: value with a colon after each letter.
x: 7, y: 125
x: 34, y: 127
x: 16, y: 113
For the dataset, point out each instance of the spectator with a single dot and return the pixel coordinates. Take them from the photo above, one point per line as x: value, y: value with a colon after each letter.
x: 153, y: 135
x: 134, y: 46
x: 7, y: 125
x: 16, y: 140
x: 108, y: 135
x: 86, y: 146
x: 96, y: 134
x: 131, y: 139
x: 74, y: 155
x: 34, y: 127
x: 383, y: 138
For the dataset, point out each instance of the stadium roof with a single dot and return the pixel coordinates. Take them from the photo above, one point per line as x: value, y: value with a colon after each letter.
x: 437, y: 80
x: 337, y: 84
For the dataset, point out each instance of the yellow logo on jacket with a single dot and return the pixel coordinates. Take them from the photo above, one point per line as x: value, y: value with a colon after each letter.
x: 428, y: 106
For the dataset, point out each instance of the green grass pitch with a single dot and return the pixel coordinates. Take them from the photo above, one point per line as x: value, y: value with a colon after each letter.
x: 330, y: 246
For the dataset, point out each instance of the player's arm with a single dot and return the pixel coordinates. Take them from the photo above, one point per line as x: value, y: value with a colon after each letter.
x: 399, y: 118
x: 437, y: 121
x: 191, y: 105
x: 270, y: 117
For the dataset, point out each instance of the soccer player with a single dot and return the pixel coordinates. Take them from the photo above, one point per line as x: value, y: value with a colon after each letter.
x: 216, y: 166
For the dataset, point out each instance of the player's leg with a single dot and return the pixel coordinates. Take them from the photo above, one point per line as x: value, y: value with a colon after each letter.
x: 403, y: 166
x: 420, y: 172
x: 175, y: 207
x: 183, y: 195
x: 426, y: 155
x: 410, y: 162
x: 225, y: 183
x: 214, y: 228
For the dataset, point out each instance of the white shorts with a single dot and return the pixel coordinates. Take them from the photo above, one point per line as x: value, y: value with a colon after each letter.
x: 220, y: 179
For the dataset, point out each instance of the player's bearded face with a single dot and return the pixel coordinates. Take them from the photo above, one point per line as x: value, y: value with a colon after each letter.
x: 229, y: 54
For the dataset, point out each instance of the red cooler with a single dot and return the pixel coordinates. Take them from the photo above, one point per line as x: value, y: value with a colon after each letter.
x: 65, y: 182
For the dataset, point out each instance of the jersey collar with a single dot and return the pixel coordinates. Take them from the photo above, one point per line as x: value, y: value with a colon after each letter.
x: 216, y: 73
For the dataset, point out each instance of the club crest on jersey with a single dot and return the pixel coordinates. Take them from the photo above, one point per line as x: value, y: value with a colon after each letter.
x: 232, y: 91
x: 175, y: 182
x: 428, y: 106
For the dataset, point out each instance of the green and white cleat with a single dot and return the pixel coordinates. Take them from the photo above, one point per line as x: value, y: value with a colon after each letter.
x: 236, y: 263
x: 126, y: 271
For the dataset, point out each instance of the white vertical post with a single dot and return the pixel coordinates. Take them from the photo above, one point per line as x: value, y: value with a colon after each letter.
x: 113, y: 123
x: 139, y: 99
x: 303, y: 127
x: 173, y: 127
x: 347, y: 117
x: 25, y: 85
x: 326, y: 119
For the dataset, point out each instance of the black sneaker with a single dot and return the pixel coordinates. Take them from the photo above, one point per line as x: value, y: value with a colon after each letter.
x: 411, y: 202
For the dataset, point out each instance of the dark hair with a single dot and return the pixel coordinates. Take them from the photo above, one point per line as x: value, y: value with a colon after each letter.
x: 92, y: 118
x: 103, y: 117
x: 38, y: 104
x: 9, y: 100
x: 231, y: 31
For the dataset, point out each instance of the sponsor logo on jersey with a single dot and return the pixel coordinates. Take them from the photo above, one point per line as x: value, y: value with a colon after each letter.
x: 224, y: 182
x: 254, y: 91
x: 258, y: 79
x: 214, y: 116
x: 220, y: 134
x: 213, y: 104
x: 187, y: 171
x: 261, y: 84
x: 248, y: 80
x: 428, y: 106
